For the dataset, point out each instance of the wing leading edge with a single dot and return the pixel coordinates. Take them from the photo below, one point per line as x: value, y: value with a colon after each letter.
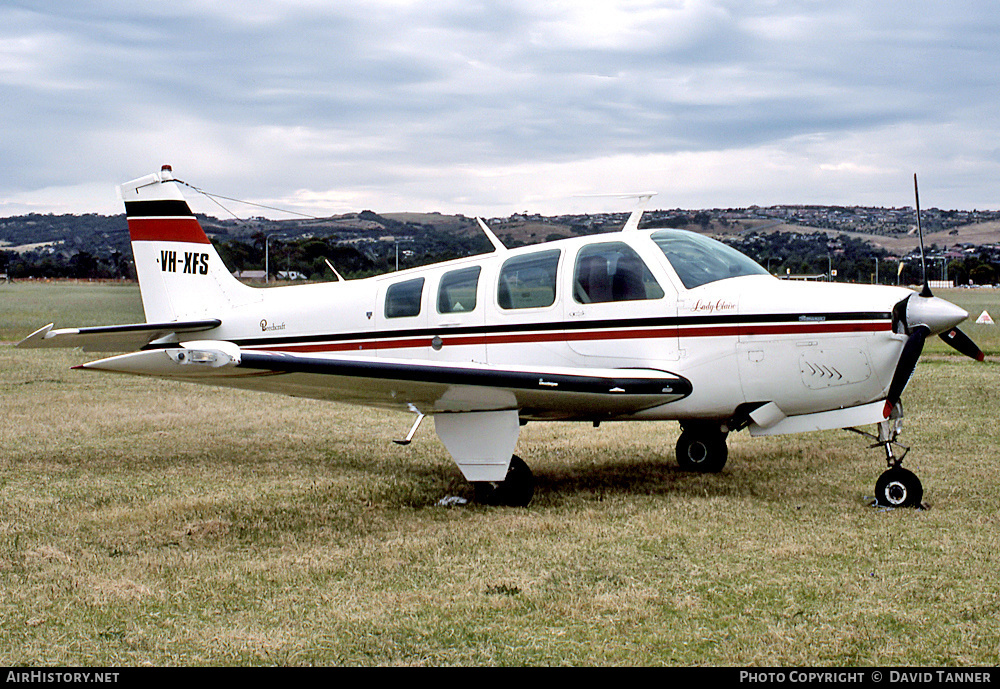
x: 551, y: 392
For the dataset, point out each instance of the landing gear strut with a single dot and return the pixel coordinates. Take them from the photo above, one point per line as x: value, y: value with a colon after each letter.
x: 896, y: 487
x: 702, y: 447
x: 516, y: 490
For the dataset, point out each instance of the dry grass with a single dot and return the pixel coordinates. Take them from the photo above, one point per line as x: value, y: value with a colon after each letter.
x: 149, y: 523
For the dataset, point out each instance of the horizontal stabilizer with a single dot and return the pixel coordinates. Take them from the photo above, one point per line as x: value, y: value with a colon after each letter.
x: 112, y: 338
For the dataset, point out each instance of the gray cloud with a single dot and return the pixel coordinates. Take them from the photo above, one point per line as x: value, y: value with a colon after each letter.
x: 476, y: 107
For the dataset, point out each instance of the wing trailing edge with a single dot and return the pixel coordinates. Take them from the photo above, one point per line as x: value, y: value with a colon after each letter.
x: 112, y: 338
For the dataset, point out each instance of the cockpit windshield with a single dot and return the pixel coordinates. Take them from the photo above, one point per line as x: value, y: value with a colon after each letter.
x: 698, y: 260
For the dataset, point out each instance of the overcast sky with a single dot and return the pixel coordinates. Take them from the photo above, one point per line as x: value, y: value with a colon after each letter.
x: 490, y: 108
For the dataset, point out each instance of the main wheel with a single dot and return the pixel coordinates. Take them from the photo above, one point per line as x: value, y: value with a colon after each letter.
x: 898, y: 487
x: 516, y: 490
x: 702, y: 451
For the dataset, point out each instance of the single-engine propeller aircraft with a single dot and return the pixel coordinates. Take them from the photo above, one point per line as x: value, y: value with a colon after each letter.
x: 634, y: 325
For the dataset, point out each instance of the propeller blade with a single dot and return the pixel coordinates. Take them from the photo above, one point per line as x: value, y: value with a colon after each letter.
x: 926, y: 291
x: 962, y: 343
x: 904, y: 368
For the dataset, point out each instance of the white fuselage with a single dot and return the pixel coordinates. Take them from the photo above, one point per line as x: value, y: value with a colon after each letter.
x: 807, y: 347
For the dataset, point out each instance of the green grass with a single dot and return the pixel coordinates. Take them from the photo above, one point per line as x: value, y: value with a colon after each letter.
x: 145, y: 522
x: 27, y: 306
x: 974, y: 301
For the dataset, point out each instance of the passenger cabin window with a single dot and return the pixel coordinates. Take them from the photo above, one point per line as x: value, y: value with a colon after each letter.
x: 612, y: 271
x: 528, y: 281
x: 698, y: 260
x: 403, y: 298
x: 457, y: 293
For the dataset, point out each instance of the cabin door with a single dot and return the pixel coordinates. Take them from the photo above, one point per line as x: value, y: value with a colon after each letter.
x: 617, y: 308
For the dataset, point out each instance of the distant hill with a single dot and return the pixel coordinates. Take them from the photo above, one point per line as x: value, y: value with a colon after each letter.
x: 979, y: 234
x: 368, y: 242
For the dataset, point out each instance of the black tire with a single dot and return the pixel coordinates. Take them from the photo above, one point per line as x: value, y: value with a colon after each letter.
x: 898, y: 487
x: 516, y: 490
x: 705, y: 452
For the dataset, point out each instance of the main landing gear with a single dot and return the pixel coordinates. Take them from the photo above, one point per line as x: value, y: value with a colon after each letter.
x: 896, y: 487
x: 702, y: 447
x: 516, y: 490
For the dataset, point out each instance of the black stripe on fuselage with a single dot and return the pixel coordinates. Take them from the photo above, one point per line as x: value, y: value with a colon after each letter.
x: 608, y: 324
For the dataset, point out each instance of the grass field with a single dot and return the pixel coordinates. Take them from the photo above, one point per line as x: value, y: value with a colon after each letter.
x: 150, y: 523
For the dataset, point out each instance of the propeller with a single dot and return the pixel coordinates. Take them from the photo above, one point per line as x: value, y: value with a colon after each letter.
x: 962, y: 343
x: 926, y: 291
x: 918, y: 316
x: 905, y: 366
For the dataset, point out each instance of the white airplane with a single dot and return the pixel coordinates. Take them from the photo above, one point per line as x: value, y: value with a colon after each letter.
x: 634, y: 325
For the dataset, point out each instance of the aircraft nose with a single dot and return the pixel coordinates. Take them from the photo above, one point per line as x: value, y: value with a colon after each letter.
x: 935, y: 313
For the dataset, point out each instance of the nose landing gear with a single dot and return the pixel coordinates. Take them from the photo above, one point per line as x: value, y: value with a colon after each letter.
x: 896, y: 487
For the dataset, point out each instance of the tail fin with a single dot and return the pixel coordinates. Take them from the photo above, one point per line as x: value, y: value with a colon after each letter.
x: 181, y: 276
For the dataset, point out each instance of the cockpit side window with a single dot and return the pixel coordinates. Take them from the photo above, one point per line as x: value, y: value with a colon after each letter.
x: 528, y: 281
x: 457, y: 292
x: 403, y: 298
x: 698, y: 260
x: 612, y: 271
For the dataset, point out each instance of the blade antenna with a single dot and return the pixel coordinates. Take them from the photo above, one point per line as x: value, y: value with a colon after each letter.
x: 926, y: 292
x: 498, y: 246
x: 340, y: 278
x: 632, y: 223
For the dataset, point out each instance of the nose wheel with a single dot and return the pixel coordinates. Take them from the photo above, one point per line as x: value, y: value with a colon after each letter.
x: 898, y: 487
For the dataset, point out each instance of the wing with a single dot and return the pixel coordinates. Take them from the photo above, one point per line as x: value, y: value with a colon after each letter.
x: 551, y: 392
x: 112, y: 338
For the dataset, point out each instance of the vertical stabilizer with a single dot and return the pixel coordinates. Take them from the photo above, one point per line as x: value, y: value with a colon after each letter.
x: 181, y: 276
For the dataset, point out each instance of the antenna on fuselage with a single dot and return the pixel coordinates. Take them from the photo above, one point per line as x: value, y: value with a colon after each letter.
x: 340, y: 278
x: 494, y: 240
x: 633, y: 220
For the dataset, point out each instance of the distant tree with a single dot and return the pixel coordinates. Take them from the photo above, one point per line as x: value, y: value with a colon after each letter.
x: 957, y: 272
x: 983, y: 274
x: 83, y: 266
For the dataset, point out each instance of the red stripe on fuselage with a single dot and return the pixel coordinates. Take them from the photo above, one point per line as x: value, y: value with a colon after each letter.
x: 166, y: 230
x: 687, y: 332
